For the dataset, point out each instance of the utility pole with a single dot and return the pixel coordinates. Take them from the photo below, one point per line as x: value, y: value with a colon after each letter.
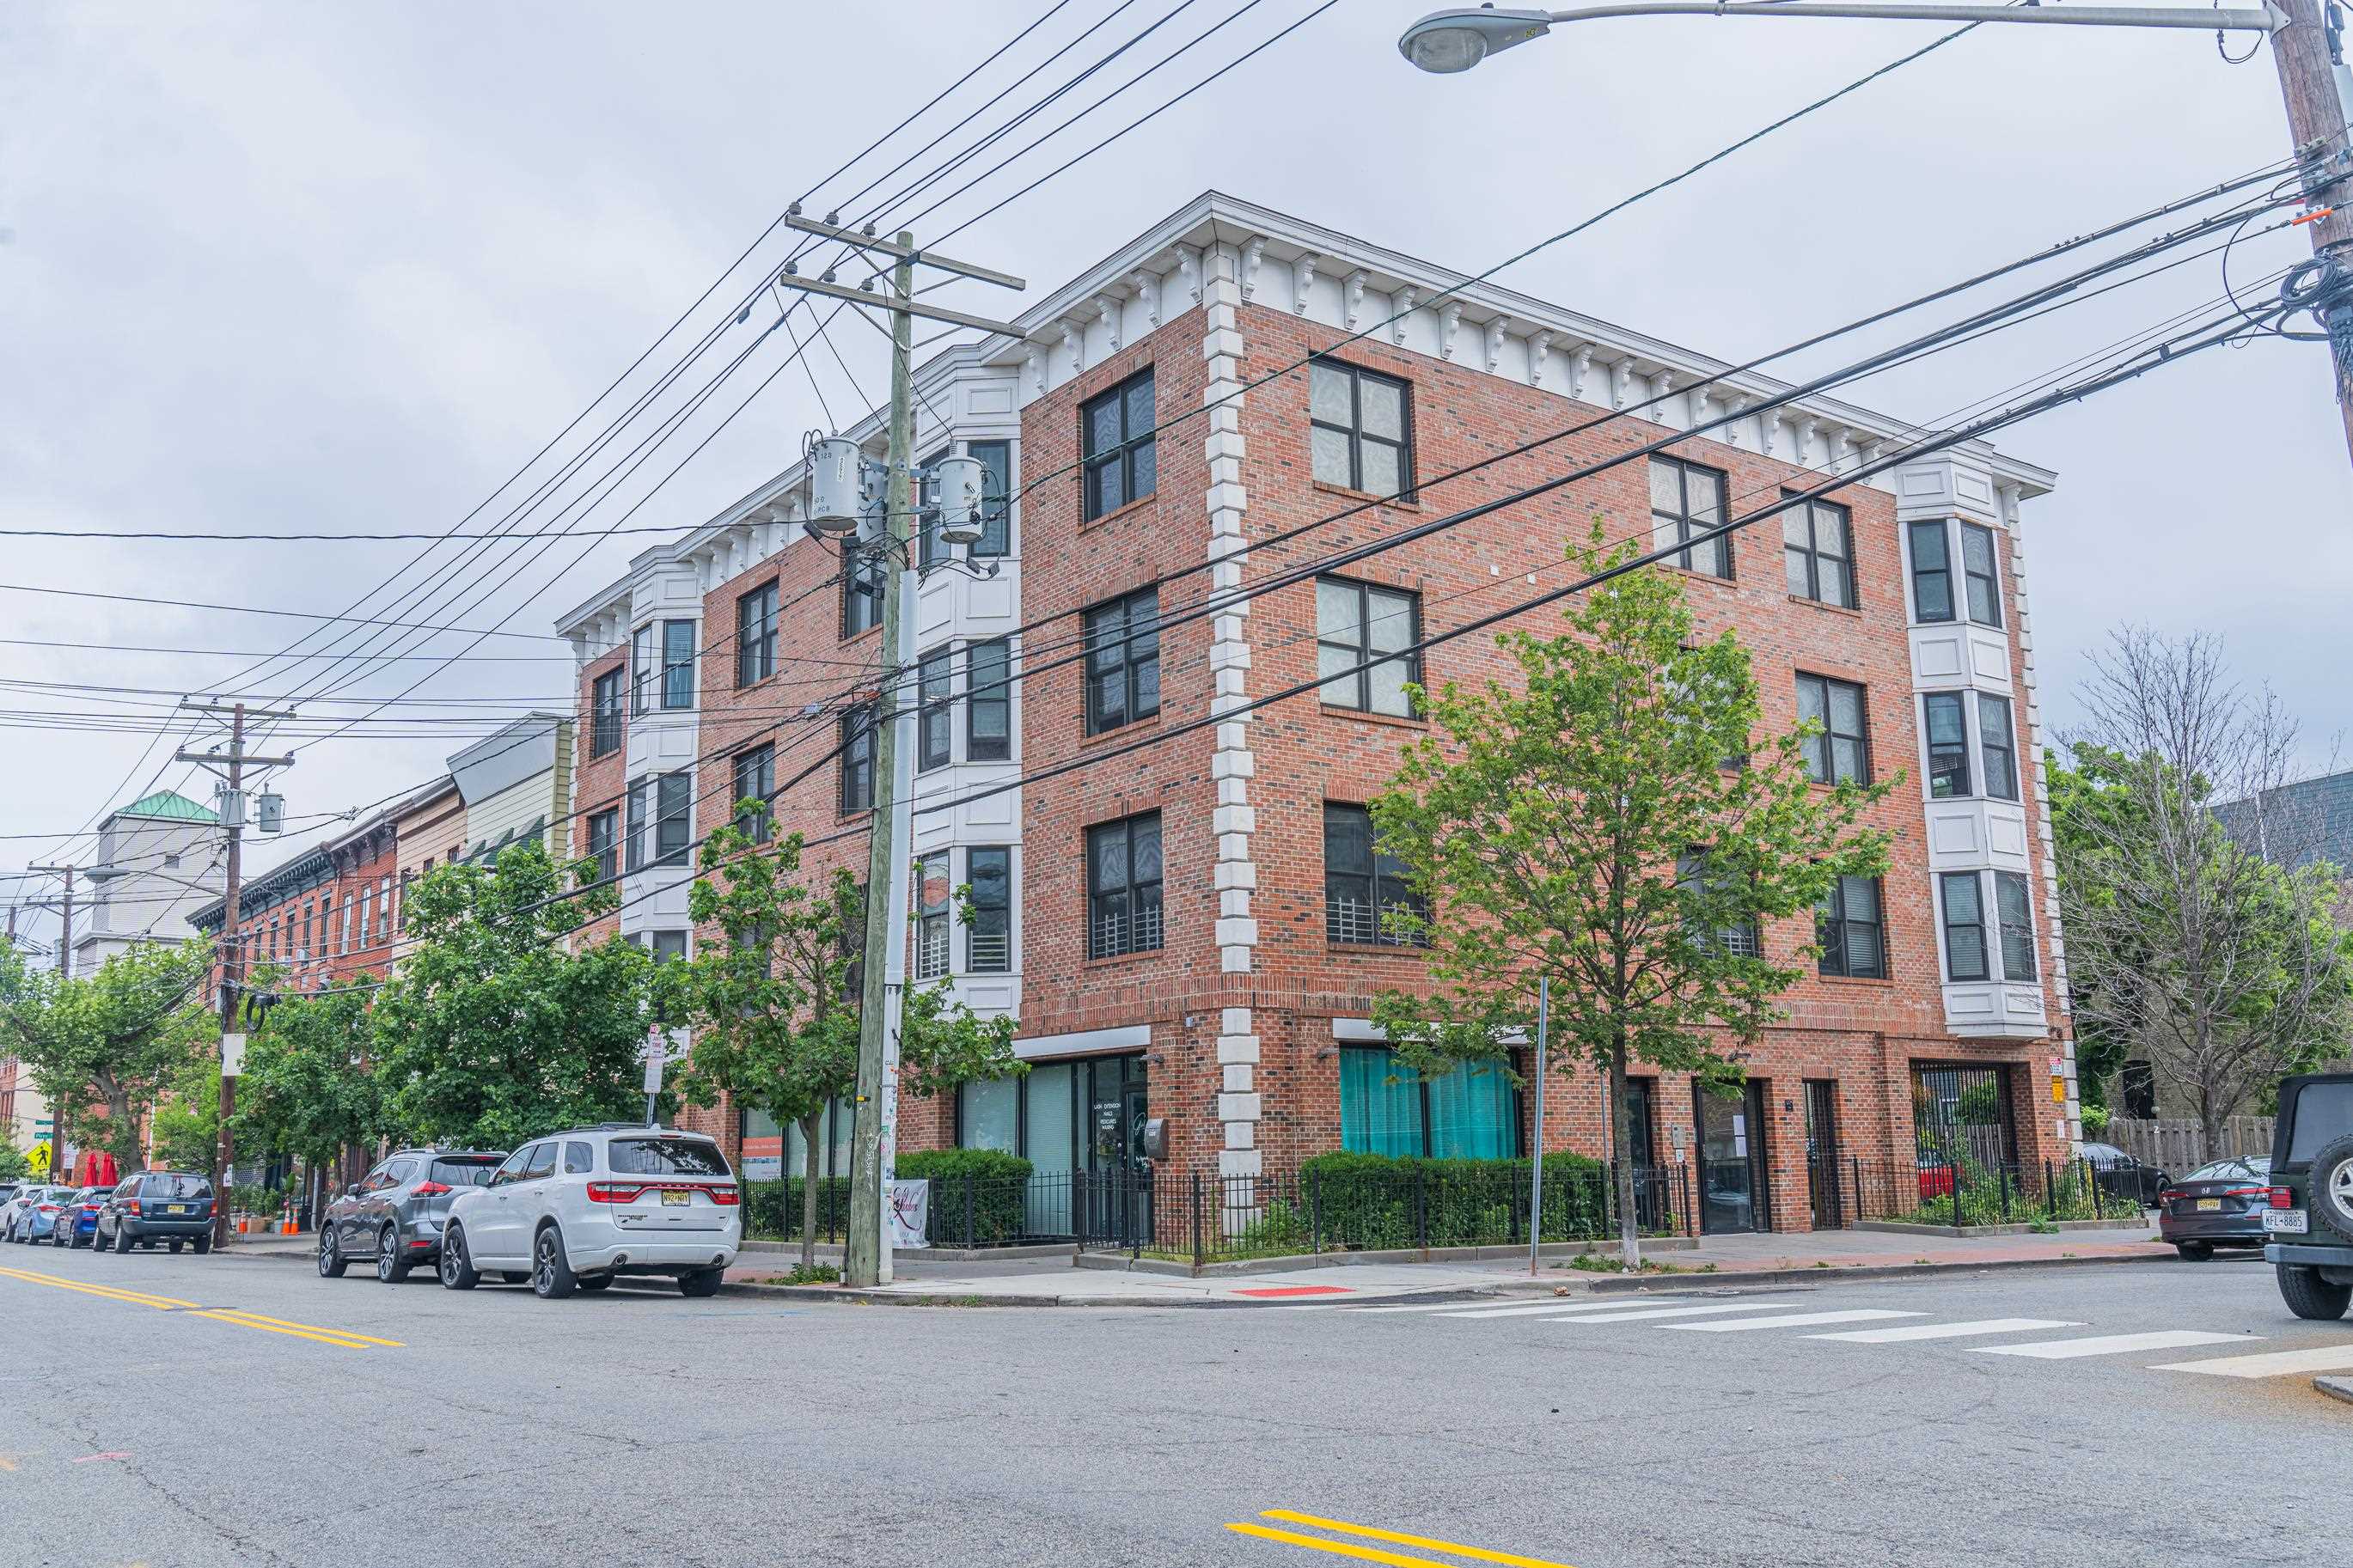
x: 230, y: 767
x: 58, y: 1171
x: 866, y: 1253
x: 2309, y: 52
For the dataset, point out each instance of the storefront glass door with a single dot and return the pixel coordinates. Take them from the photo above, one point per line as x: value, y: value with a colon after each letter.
x: 1732, y: 1196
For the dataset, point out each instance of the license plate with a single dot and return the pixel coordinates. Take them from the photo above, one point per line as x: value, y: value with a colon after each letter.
x: 176, y: 1209
x: 2208, y: 1205
x: 2290, y: 1221
x: 674, y: 1199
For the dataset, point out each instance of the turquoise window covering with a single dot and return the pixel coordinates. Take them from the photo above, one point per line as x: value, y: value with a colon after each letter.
x: 1473, y: 1114
x: 1380, y: 1103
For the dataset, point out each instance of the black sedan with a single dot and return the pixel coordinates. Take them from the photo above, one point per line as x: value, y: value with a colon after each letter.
x: 2123, y: 1175
x: 2220, y: 1204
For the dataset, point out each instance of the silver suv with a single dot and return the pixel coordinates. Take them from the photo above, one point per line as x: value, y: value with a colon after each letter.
x: 393, y: 1215
x: 576, y: 1210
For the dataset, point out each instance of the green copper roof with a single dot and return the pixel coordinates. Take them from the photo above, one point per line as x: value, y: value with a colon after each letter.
x: 164, y: 802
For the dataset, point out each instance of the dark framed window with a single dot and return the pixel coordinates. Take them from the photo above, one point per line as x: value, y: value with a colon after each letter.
x: 645, y: 670
x: 1817, y: 545
x: 1362, y: 884
x: 755, y: 779
x: 1354, y: 622
x: 1980, y: 575
x: 2015, y: 912
x: 1932, y: 572
x: 604, y: 848
x: 928, y: 955
x: 1360, y: 428
x: 1997, y: 747
x: 989, y: 873
x: 1742, y: 940
x: 678, y: 664
x: 935, y: 722
x: 1118, y: 454
x: 995, y: 498
x: 667, y: 945
x: 988, y: 701
x: 1965, y: 932
x: 1841, y: 752
x: 755, y: 635
x: 1124, y: 872
x: 1122, y: 661
x: 1686, y: 499
x: 862, y: 578
x: 1469, y: 1112
x: 661, y: 819
x: 1851, y: 931
x: 1948, y: 745
x: 858, y: 759
x: 604, y: 712
x: 642, y: 808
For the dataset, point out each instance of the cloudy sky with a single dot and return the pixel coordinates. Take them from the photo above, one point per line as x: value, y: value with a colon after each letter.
x: 346, y: 269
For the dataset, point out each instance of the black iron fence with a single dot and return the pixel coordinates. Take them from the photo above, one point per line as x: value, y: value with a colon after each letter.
x: 1206, y: 1218
x: 1964, y: 1191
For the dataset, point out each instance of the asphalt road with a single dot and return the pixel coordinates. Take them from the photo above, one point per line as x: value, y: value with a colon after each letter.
x: 636, y: 1426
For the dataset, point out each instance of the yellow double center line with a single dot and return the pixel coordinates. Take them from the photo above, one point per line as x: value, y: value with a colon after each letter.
x: 1374, y: 1554
x: 342, y: 1338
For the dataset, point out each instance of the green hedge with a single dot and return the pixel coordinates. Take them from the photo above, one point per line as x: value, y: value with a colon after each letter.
x: 999, y: 1182
x: 1370, y: 1201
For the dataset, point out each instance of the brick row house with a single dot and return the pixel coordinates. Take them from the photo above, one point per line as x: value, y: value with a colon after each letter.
x: 1188, y: 928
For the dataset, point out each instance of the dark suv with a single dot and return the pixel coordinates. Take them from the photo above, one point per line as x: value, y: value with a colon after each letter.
x: 2310, y: 1219
x: 393, y: 1215
x: 169, y: 1206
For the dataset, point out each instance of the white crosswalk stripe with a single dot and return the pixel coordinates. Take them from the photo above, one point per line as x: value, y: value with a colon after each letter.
x: 1611, y: 1309
x: 2113, y: 1344
x: 1644, y: 1314
x: 1911, y: 1333
x: 1795, y: 1320
x: 2270, y: 1363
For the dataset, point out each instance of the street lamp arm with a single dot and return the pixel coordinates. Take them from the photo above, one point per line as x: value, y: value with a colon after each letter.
x: 2267, y: 19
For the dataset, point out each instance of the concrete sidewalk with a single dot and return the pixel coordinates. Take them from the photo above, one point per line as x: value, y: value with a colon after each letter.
x: 1052, y: 1282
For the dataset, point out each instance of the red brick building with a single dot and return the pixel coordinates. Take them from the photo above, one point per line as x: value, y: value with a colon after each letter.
x: 1184, y: 922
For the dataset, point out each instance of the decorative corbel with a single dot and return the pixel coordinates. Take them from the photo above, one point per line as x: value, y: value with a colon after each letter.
x: 1450, y: 321
x: 1188, y: 272
x: 1107, y: 306
x: 1539, y: 351
x: 1579, y: 369
x: 1354, y: 287
x: 1037, y: 358
x: 1253, y: 252
x: 1620, y: 374
x: 1806, y: 443
x: 1303, y: 279
x: 1841, y: 448
x: 1731, y: 431
x: 1074, y: 338
x: 1494, y: 345
x: 1146, y: 284
x: 1400, y: 311
x: 1699, y: 401
x: 1662, y: 386
x: 1771, y: 430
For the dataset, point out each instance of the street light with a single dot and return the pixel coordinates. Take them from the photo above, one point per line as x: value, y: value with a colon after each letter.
x: 2315, y: 85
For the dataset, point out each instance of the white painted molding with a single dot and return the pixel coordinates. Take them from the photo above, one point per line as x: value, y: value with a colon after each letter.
x: 1582, y: 367
x: 1146, y: 284
x: 1620, y: 374
x: 1699, y: 401
x: 1188, y: 272
x: 1400, y: 312
x: 1806, y: 433
x: 1731, y: 431
x: 1107, y: 306
x: 1253, y: 252
x: 1354, y: 284
x: 1494, y: 344
x: 1302, y: 279
x: 1772, y: 432
x: 1539, y: 351
x: 1449, y: 322
x: 1074, y: 338
x: 1036, y: 355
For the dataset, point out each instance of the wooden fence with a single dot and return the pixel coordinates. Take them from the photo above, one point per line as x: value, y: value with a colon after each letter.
x: 2177, y: 1145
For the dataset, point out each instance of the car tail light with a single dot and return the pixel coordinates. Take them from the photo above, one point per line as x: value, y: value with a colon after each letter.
x: 2281, y: 1198
x: 614, y: 1191
x: 727, y: 1197
x: 2246, y: 1192
x: 132, y: 1205
x: 433, y: 1190
x: 48, y: 1208
x: 2167, y: 1194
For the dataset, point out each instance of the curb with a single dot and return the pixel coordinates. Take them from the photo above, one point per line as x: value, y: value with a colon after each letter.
x: 835, y: 1296
x: 2335, y: 1387
x: 1620, y: 1286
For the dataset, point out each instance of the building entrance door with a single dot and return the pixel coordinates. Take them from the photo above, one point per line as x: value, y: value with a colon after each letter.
x: 1118, y: 1191
x: 1822, y: 1155
x: 1733, y: 1193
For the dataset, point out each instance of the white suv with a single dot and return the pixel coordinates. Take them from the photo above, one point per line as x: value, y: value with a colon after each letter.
x: 577, y: 1210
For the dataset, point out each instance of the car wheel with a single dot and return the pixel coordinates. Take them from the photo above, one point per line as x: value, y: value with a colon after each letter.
x: 57, y: 1238
x: 701, y: 1282
x: 2195, y: 1252
x: 2332, y: 1186
x: 331, y: 1261
x: 2307, y: 1295
x: 390, y: 1267
x: 175, y: 1249
x: 551, y: 1272
x: 98, y: 1242
x: 203, y: 1245
x: 458, y: 1272
x: 593, y: 1281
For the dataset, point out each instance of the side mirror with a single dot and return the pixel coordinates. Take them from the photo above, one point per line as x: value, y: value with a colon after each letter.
x: 350, y: 1189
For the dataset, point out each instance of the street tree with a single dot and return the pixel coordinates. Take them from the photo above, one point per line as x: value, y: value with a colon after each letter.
x: 2203, y: 937
x: 492, y: 1031
x: 109, y: 1041
x: 309, y: 1088
x: 773, y: 1007
x: 1616, y: 823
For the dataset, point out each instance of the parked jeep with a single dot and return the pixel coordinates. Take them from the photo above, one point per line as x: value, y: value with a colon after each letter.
x: 2310, y: 1220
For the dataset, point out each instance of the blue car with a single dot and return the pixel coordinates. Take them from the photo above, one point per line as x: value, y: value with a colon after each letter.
x: 33, y: 1215
x: 77, y: 1219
